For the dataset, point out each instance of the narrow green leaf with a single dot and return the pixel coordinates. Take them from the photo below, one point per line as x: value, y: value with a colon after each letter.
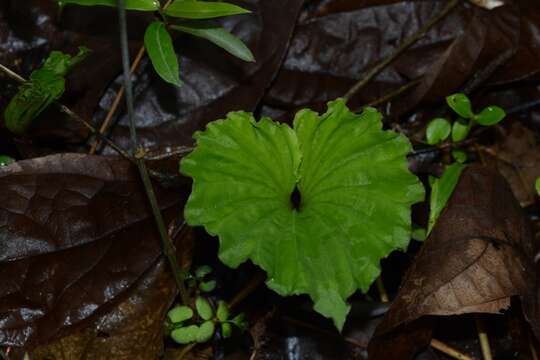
x: 437, y: 131
x: 441, y: 191
x: 6, y: 160
x: 143, y: 5
x: 460, y: 129
x: 189, y: 9
x: 206, y: 331
x: 461, y: 104
x: 226, y: 330
x: 180, y: 313
x: 490, y: 115
x: 158, y: 44
x: 537, y: 186
x: 459, y: 155
x: 355, y: 193
x: 222, y: 312
x: 204, y: 309
x: 185, y: 335
x: 219, y: 37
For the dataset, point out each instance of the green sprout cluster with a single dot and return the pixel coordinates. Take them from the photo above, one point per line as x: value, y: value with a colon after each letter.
x: 441, y: 129
x: 197, y: 325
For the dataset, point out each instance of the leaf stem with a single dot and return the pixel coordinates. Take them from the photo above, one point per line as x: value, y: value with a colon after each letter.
x: 138, y: 153
x: 404, y: 46
x: 71, y: 114
x: 483, y: 337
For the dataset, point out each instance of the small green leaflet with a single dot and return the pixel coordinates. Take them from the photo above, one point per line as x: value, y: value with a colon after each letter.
x: 537, y: 186
x: 437, y: 131
x: 356, y: 192
x: 158, y: 44
x: 441, y: 190
x: 219, y: 37
x: 45, y: 86
x: 143, y: 5
x: 190, y: 9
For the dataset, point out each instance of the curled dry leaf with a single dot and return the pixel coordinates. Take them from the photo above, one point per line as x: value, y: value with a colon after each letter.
x: 478, y: 255
x: 76, y: 234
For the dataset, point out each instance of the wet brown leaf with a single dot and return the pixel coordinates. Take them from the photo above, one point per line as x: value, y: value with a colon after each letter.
x: 517, y: 157
x: 478, y: 255
x: 76, y: 235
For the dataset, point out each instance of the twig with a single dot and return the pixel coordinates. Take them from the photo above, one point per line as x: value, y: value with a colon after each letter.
x: 168, y: 247
x: 71, y: 114
x: 534, y: 354
x: 382, y: 291
x: 404, y: 46
x: 248, y: 289
x: 483, y: 337
x: 394, y: 93
x: 120, y: 94
x: 185, y: 350
x: 442, y: 347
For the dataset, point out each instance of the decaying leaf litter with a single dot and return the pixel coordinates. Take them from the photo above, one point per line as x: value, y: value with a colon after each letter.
x: 310, y: 55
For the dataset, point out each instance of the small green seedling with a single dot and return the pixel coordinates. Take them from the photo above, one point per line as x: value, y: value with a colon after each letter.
x: 183, y: 16
x: 6, y: 160
x: 184, y: 327
x: 200, y: 279
x: 46, y: 85
x: 440, y: 129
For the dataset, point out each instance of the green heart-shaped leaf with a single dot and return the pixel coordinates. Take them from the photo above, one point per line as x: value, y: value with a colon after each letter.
x: 460, y: 130
x: 206, y: 331
x: 353, y: 189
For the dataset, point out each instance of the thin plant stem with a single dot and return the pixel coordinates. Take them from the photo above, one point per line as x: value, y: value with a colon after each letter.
x: 389, y: 96
x: 70, y: 113
x: 120, y: 94
x: 404, y: 46
x: 138, y: 153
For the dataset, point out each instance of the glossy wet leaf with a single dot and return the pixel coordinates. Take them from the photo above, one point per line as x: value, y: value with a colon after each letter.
x: 6, y: 160
x: 190, y: 9
x: 45, y: 86
x: 206, y: 331
x: 204, y: 309
x: 144, y: 5
x: 158, y: 44
x: 460, y: 130
x: 441, y: 190
x: 220, y: 37
x: 490, y: 115
x: 437, y: 131
x: 83, y: 223
x: 180, y: 313
x: 185, y: 335
x: 461, y: 104
x: 222, y: 312
x: 349, y: 175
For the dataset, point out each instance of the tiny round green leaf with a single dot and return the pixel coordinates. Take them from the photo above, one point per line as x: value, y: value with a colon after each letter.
x: 490, y: 115
x: 461, y: 104
x: 206, y: 331
x: 204, y: 309
x: 460, y: 130
x: 222, y: 312
x: 6, y: 160
x: 180, y: 313
x: 226, y: 330
x: 202, y: 271
x: 459, y: 155
x: 437, y: 131
x: 207, y: 286
x: 185, y: 335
